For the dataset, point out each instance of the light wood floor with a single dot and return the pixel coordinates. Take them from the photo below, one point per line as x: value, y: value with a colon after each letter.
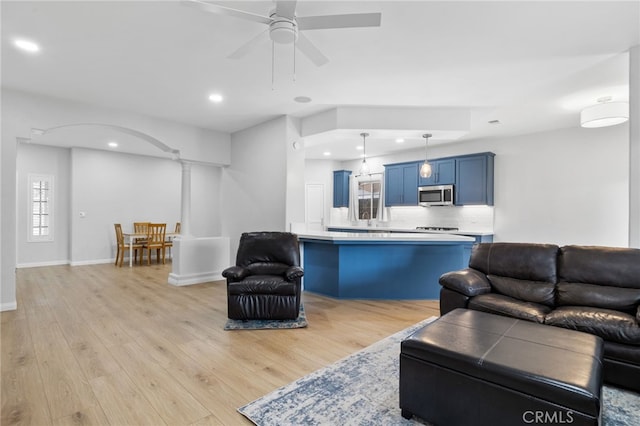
x: 103, y: 345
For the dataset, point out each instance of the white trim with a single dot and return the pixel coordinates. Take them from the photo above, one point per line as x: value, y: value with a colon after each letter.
x: 189, y: 279
x: 39, y: 264
x: 9, y: 306
x: 92, y: 262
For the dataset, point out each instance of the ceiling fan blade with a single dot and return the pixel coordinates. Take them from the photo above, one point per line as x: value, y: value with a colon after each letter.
x: 222, y: 10
x: 339, y: 21
x: 248, y: 46
x: 310, y: 50
x: 286, y: 8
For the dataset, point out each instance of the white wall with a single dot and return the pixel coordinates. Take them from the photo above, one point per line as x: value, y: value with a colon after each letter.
x: 567, y: 186
x: 295, y: 172
x: 118, y: 188
x: 254, y: 186
x: 53, y: 161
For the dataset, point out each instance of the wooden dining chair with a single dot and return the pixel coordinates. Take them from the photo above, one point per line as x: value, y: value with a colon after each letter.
x: 140, y: 228
x: 156, y: 240
x: 122, y: 246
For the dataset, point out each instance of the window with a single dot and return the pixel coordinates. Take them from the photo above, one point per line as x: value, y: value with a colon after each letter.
x: 41, y: 211
x: 368, y: 199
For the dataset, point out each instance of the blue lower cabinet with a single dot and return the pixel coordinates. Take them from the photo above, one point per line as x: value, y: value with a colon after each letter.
x: 361, y: 231
x: 394, y: 270
x: 482, y: 238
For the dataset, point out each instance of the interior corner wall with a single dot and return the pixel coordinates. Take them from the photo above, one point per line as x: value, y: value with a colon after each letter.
x: 253, y: 194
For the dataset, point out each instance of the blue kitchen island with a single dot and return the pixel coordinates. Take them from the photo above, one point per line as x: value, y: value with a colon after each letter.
x: 349, y: 265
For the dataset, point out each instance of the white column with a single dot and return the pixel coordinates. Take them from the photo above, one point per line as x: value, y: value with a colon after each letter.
x: 185, y: 208
x: 634, y: 147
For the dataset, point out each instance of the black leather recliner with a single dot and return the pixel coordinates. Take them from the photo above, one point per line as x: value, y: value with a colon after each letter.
x: 266, y: 281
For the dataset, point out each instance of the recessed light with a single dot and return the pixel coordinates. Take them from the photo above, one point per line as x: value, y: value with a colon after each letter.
x: 359, y: 147
x: 26, y: 45
x: 399, y: 140
x: 326, y: 153
x: 493, y: 121
x: 113, y: 144
x: 302, y: 99
x: 216, y: 98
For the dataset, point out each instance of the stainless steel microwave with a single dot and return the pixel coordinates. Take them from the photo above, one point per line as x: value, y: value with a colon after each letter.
x: 439, y: 195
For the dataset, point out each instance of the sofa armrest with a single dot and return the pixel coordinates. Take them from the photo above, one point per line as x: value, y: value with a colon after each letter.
x: 235, y: 273
x: 294, y: 272
x: 469, y: 282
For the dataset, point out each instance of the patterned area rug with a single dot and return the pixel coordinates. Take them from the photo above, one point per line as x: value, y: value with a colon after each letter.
x: 299, y: 322
x: 362, y: 389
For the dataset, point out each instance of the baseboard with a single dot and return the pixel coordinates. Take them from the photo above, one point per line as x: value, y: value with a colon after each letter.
x: 92, y: 262
x: 190, y: 279
x: 39, y: 264
x: 10, y: 306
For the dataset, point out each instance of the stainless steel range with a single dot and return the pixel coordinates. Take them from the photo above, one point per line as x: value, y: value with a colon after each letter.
x: 435, y: 228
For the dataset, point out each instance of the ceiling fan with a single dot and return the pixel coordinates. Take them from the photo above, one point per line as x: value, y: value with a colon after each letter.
x: 285, y: 27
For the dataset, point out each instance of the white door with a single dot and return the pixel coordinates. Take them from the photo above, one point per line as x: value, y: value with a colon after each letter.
x: 314, y: 206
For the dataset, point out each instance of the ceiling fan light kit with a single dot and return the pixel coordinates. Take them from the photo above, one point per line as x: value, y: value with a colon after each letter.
x: 285, y: 27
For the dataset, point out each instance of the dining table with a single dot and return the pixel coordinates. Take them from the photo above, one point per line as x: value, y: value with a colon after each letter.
x: 132, y: 236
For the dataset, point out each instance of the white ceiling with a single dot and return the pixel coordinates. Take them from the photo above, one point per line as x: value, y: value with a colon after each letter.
x: 531, y: 65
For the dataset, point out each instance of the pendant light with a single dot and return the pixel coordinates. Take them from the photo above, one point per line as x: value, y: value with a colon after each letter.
x: 425, y: 170
x: 364, y: 167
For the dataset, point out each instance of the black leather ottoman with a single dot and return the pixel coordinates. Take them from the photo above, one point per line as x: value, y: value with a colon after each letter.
x: 474, y: 368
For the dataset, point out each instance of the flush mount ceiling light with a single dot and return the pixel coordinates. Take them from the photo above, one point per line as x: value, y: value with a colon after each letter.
x: 26, y: 45
x: 364, y: 167
x: 425, y: 170
x: 605, y: 113
x: 400, y: 140
x: 113, y: 144
x: 216, y: 98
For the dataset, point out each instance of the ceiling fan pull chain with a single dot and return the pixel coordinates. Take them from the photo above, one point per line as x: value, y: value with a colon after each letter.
x: 294, y: 60
x: 273, y: 55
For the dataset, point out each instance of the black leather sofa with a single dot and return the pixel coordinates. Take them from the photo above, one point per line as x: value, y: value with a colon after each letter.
x: 585, y: 288
x: 266, y: 281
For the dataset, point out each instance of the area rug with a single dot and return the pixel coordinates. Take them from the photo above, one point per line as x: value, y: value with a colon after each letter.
x: 362, y: 389
x: 299, y: 322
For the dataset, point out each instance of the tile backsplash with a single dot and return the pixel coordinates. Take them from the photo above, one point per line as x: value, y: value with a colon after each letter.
x: 468, y: 218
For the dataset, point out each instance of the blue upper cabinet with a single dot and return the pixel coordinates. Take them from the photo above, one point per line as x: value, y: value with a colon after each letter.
x: 341, y: 188
x: 401, y: 184
x: 474, y: 179
x: 443, y: 173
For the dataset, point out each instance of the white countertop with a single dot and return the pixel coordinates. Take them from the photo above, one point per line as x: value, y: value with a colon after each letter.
x: 382, y: 236
x: 410, y: 230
